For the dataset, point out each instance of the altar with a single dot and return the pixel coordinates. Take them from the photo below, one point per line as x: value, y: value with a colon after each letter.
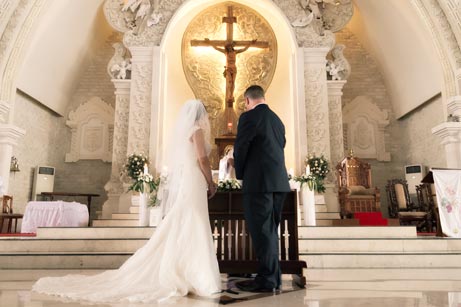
x: 233, y: 243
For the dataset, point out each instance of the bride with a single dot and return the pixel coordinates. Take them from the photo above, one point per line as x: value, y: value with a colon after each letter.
x: 179, y: 258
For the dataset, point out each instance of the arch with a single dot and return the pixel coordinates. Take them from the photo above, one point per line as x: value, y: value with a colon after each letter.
x: 284, y: 90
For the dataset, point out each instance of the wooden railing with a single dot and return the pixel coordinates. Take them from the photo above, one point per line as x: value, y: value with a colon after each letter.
x: 233, y: 243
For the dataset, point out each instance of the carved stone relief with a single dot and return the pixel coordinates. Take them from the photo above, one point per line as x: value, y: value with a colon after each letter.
x: 140, y: 100
x: 92, y: 126
x: 203, y: 66
x: 365, y: 124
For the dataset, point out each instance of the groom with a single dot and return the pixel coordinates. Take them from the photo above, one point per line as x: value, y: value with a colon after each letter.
x: 259, y: 160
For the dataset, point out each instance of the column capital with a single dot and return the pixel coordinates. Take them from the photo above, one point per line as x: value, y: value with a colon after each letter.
x: 316, y: 55
x: 141, y: 54
x: 335, y: 87
x: 449, y: 132
x: 122, y: 86
x: 454, y: 105
x: 10, y: 134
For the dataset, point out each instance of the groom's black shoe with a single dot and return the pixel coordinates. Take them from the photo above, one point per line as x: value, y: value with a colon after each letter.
x: 252, y: 286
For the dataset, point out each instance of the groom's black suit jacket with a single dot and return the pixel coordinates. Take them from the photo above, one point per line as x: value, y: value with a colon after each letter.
x: 258, y: 151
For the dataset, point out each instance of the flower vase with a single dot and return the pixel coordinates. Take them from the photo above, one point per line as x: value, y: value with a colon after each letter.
x: 308, y: 199
x: 143, y: 210
x: 155, y: 216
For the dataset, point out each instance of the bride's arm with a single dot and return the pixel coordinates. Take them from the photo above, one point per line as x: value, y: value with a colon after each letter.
x: 199, y: 143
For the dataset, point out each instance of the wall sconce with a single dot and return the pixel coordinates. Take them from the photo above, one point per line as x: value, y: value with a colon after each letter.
x: 14, y: 165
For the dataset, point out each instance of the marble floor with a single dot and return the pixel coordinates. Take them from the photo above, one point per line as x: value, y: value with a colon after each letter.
x: 328, y: 287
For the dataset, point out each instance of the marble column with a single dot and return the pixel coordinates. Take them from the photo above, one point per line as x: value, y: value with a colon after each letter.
x: 114, y: 188
x: 336, y: 120
x: 335, y: 94
x: 9, y: 137
x: 316, y: 97
x: 318, y: 115
x: 140, y: 100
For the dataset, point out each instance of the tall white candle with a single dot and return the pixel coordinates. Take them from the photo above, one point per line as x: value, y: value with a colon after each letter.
x: 146, y: 170
x: 308, y: 170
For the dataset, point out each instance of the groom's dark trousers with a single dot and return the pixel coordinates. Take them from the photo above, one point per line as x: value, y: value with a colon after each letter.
x: 260, y: 162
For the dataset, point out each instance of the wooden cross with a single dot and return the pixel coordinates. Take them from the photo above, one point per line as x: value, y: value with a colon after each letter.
x: 228, y: 48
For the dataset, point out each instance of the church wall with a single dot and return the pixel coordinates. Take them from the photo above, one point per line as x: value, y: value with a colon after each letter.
x: 47, y: 138
x: 419, y: 145
x: 366, y: 80
x: 38, y: 146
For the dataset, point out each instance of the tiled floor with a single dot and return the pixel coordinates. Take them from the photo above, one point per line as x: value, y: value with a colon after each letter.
x: 367, y: 287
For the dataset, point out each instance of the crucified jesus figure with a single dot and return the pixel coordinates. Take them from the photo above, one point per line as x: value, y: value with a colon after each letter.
x: 228, y: 48
x: 230, y: 70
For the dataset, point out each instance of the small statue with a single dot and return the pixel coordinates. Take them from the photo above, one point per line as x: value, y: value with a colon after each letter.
x: 334, y: 70
x: 121, y: 69
x: 340, y: 61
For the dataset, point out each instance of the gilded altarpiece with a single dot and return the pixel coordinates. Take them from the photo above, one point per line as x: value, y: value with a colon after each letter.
x: 204, y: 66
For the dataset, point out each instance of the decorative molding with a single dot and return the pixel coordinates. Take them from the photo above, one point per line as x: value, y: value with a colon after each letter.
x: 365, y: 125
x: 12, y: 47
x: 454, y: 105
x: 4, y: 109
x: 10, y: 134
x: 91, y: 125
x: 450, y: 84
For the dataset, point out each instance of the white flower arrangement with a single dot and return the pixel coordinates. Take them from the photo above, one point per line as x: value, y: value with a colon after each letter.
x: 229, y: 185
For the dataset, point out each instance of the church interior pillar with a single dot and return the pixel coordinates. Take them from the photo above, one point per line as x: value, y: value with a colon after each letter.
x: 114, y: 188
x: 9, y: 136
x: 140, y: 100
x: 335, y: 94
x: 336, y: 120
x: 316, y: 97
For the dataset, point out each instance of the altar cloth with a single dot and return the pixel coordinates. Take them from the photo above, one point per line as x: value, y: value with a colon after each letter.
x: 54, y: 214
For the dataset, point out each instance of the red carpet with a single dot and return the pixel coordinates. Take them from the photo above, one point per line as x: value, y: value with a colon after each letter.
x: 370, y: 219
x: 18, y: 235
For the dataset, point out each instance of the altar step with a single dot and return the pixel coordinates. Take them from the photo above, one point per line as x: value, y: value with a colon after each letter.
x: 95, y: 233
x: 320, y: 247
x: 306, y: 246
x: 304, y: 232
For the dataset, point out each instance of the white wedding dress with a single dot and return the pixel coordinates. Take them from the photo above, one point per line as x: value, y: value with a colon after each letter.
x: 178, y: 259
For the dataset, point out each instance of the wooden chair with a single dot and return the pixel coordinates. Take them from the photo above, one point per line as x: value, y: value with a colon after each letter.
x: 8, y: 216
x: 428, y: 200
x: 401, y: 206
x: 355, y: 192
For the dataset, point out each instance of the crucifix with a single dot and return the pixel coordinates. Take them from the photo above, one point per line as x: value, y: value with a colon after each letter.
x: 228, y: 48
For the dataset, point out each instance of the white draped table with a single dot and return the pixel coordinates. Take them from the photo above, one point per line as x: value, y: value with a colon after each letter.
x: 54, y: 214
